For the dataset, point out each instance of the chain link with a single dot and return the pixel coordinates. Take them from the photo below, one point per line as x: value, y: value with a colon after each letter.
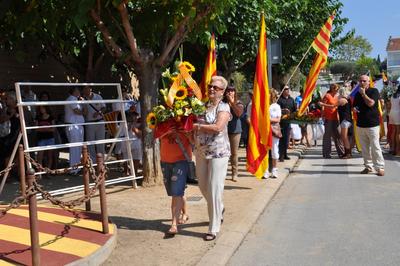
x: 5, y: 170
x: 66, y: 205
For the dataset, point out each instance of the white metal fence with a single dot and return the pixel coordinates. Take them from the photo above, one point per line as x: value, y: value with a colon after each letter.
x: 123, y: 127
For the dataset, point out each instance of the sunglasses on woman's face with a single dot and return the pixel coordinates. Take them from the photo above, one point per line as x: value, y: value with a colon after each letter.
x: 213, y: 87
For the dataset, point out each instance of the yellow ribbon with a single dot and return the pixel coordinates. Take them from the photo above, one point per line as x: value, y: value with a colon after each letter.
x: 183, y: 75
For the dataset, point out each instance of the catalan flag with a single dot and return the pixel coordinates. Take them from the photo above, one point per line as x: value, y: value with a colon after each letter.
x: 321, y: 46
x: 381, y: 122
x: 260, y: 134
x: 210, y: 68
x: 384, y: 77
x: 110, y: 117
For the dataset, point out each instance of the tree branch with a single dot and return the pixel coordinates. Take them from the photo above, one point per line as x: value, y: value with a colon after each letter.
x: 180, y: 34
x: 113, y: 47
x: 128, y: 31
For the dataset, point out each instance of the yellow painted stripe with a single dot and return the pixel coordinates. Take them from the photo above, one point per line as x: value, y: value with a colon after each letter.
x: 64, y: 245
x: 56, y: 218
x: 5, y: 263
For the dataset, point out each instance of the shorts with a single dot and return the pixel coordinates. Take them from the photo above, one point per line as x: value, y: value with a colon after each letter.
x: 46, y: 142
x: 175, y: 177
x: 345, y: 124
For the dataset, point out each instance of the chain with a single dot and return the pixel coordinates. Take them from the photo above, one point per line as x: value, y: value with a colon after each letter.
x: 5, y: 170
x: 67, y: 205
x: 18, y: 201
x: 41, y: 168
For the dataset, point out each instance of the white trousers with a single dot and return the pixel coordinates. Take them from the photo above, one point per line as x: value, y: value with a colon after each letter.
x: 370, y: 147
x: 95, y: 132
x: 211, y: 175
x: 74, y: 134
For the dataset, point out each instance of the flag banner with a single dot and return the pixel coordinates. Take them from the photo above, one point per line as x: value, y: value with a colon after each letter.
x: 260, y: 134
x: 111, y: 127
x: 210, y: 69
x: 381, y: 120
x: 321, y: 46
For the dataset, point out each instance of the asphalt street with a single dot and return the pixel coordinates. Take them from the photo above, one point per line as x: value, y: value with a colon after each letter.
x: 326, y: 213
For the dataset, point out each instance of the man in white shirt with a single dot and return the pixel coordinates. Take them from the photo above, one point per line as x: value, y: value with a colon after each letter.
x: 74, y: 115
x: 94, y: 113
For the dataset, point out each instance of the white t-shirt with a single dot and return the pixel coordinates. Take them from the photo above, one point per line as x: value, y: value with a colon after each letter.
x: 70, y: 116
x: 91, y: 111
x: 275, y: 110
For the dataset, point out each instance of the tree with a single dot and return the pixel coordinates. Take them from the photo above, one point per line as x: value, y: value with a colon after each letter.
x: 367, y: 64
x: 352, y: 49
x: 141, y: 36
x: 345, y: 68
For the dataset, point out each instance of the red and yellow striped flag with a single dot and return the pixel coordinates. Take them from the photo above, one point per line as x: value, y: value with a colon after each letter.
x: 210, y: 68
x: 111, y: 127
x: 260, y: 134
x: 380, y: 110
x: 321, y: 46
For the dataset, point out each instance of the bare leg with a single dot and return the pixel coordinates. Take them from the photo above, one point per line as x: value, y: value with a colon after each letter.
x: 176, y: 208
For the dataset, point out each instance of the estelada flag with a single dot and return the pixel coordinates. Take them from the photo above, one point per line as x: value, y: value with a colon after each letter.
x: 210, y: 69
x: 260, y: 134
x: 321, y: 46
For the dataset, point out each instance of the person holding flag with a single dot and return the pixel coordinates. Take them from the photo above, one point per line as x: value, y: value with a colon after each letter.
x: 368, y: 126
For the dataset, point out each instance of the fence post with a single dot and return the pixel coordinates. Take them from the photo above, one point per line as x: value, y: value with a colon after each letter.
x: 21, y: 162
x: 102, y: 193
x: 33, y: 221
x: 85, y: 175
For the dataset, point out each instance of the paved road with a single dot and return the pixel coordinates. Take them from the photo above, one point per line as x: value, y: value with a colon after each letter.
x: 327, y: 213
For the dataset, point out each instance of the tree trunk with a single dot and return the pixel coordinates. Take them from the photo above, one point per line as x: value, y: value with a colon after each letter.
x: 149, y: 76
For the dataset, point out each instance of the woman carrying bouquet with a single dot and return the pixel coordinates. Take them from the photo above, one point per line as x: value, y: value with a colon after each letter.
x: 212, y: 152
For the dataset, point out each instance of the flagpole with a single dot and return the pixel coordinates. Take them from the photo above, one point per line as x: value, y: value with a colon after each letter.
x: 304, y: 56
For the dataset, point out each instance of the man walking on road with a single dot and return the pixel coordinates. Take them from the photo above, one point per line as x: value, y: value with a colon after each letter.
x: 366, y: 105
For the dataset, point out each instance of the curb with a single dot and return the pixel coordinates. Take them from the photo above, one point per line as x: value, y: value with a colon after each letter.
x: 232, y: 236
x: 100, y: 255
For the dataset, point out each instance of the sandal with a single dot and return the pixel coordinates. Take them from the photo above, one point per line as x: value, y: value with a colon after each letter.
x: 171, y: 232
x: 183, y: 219
x: 209, y: 237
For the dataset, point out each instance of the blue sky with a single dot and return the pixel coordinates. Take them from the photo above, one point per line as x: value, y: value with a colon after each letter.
x: 374, y: 20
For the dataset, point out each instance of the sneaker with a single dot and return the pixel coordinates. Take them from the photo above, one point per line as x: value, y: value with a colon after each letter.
x: 366, y: 171
x: 380, y: 172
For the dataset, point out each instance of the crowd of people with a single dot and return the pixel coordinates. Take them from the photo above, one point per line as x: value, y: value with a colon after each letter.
x: 217, y: 135
x: 83, y: 122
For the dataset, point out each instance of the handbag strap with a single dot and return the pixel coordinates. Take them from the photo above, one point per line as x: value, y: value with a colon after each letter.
x: 179, y: 142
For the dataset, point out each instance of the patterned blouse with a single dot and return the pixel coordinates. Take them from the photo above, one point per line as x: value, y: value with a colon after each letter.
x: 213, y: 145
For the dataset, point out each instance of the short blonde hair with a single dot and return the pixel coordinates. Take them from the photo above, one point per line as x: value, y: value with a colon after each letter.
x: 220, y: 79
x: 343, y: 92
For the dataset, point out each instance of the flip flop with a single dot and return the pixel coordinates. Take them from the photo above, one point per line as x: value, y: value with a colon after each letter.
x: 171, y: 232
x: 184, y: 219
x: 209, y: 237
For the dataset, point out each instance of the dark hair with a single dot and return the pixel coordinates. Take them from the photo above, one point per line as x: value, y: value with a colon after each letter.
x: 72, y: 89
x: 353, y: 83
x: 43, y: 93
x: 229, y: 88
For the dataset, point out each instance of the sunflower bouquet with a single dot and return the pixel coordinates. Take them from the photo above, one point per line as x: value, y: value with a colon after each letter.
x: 180, y: 102
x: 309, y: 118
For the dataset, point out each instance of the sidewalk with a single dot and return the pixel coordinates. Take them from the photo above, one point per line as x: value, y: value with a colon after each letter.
x: 143, y: 215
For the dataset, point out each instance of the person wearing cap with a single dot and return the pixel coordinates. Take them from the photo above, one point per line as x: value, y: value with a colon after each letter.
x: 234, y: 127
x: 288, y: 106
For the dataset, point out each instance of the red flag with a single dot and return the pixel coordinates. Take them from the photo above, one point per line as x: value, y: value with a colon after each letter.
x: 210, y: 68
x: 321, y: 46
x: 260, y: 134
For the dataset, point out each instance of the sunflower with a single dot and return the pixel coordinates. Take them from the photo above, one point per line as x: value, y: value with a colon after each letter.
x: 181, y: 93
x: 188, y: 66
x: 151, y: 120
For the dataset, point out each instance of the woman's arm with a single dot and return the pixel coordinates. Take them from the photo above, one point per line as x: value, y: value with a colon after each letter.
x: 222, y: 121
x: 237, y: 108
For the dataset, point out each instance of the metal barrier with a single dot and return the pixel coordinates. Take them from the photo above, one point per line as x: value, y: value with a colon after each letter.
x: 29, y: 148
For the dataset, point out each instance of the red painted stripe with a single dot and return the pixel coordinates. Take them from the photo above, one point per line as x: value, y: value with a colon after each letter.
x: 59, y: 211
x: 21, y: 254
x: 56, y: 229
